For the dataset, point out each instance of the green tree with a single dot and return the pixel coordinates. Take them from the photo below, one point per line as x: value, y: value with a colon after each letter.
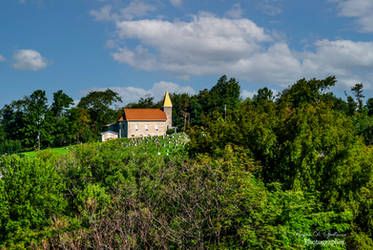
x: 351, y: 105
x: 358, y: 90
x: 369, y: 106
x: 181, y: 110
x: 264, y: 94
x: 224, y: 93
x: 147, y: 102
x: 98, y: 104
x: 57, y: 119
x: 35, y: 133
x: 80, y: 125
x: 12, y: 119
x: 305, y: 92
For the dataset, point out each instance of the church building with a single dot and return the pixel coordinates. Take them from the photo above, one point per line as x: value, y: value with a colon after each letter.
x: 141, y: 122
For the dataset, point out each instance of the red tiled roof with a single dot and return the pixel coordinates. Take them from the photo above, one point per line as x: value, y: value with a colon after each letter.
x: 143, y: 115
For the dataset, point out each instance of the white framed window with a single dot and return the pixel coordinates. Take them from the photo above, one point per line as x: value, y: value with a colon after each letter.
x: 137, y: 127
x: 146, y: 127
x: 156, y: 127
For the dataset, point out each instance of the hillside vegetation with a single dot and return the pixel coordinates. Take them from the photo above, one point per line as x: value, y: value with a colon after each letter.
x: 288, y: 172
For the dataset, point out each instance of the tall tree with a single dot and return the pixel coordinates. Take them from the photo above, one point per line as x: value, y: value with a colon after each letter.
x: 351, y: 105
x: 12, y: 119
x: 224, y: 93
x: 98, y: 104
x: 358, y: 91
x: 264, y: 94
x: 34, y: 120
x: 57, y: 120
x: 370, y: 106
x: 305, y: 92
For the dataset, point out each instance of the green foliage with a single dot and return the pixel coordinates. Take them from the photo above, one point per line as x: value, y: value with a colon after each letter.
x: 306, y: 142
x: 369, y: 106
x: 31, y: 193
x: 98, y: 104
x: 10, y: 147
x: 358, y: 91
x: 181, y: 110
x: 34, y: 119
x: 30, y: 119
x: 306, y: 92
x: 147, y: 102
x: 264, y: 94
x: 261, y: 174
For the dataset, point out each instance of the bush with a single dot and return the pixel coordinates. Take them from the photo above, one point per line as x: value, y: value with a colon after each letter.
x: 31, y: 193
x: 170, y: 131
x: 10, y: 147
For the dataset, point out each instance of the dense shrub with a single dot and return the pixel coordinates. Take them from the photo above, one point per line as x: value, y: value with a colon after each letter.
x: 31, y: 194
x: 10, y: 147
x: 149, y: 193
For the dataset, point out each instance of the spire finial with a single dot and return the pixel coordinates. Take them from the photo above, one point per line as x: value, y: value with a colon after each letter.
x: 167, y: 100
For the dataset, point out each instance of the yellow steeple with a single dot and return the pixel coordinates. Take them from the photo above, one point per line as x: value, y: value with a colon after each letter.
x: 167, y: 100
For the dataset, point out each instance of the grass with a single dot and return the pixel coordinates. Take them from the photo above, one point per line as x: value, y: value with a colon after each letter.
x: 164, y: 145
x: 56, y: 151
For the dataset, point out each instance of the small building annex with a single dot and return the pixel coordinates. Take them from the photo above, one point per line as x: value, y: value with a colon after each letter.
x: 141, y: 122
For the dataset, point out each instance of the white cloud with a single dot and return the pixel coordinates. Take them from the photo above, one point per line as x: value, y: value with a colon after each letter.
x: 245, y: 94
x: 176, y: 3
x: 2, y: 58
x: 135, y: 9
x: 210, y: 45
x: 360, y: 9
x: 235, y: 11
x: 201, y: 46
x: 133, y: 94
x: 350, y: 61
x: 104, y: 14
x: 27, y: 59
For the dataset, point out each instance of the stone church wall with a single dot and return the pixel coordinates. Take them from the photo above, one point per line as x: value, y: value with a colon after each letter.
x: 146, y: 128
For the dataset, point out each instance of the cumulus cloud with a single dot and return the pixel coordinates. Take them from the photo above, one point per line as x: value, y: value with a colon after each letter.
x: 360, y: 9
x: 202, y: 46
x: 2, y: 58
x: 133, y: 94
x: 209, y: 45
x: 350, y: 61
x: 27, y: 59
x: 176, y: 3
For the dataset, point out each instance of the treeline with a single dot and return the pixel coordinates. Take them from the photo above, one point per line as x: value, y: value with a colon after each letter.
x: 31, y: 123
x: 224, y: 97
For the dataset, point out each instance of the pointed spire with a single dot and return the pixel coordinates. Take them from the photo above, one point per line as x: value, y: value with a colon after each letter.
x: 167, y: 100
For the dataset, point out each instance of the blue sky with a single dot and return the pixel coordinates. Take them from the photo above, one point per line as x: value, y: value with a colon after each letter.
x: 144, y: 47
